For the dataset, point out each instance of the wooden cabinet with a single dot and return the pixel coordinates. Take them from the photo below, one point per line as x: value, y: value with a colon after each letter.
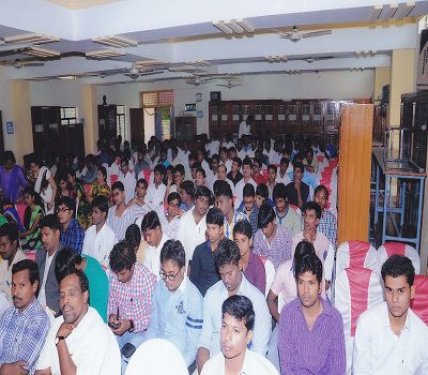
x: 185, y: 128
x: 107, y: 124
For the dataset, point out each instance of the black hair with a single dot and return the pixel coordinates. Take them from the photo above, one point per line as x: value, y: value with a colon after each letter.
x: 180, y: 168
x: 284, y: 161
x: 133, y: 235
x: 65, y: 262
x: 203, y: 191
x: 311, y: 205
x: 241, y: 308
x: 189, y: 187
x: 215, y: 216
x: 51, y: 221
x: 248, y: 191
x: 237, y: 161
x: 69, y: 202
x: 144, y: 182
x: 172, y: 196
x: 265, y: 216
x: 100, y: 202
x: 10, y: 230
x: 159, y: 168
x: 227, y: 253
x: 103, y: 171
x: 320, y: 188
x: 222, y: 165
x: 303, y: 248
x: 8, y: 155
x: 117, y: 185
x: 272, y: 166
x: 243, y: 227
x: 262, y: 190
x: 308, y: 263
x: 279, y: 191
x: 399, y: 265
x: 122, y: 257
x: 150, y: 221
x: 201, y: 170
x: 31, y: 266
x: 247, y: 161
x: 174, y: 251
x: 83, y: 279
x: 223, y: 188
x: 299, y: 165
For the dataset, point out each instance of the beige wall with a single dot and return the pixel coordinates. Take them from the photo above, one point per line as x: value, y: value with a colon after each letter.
x: 382, y: 77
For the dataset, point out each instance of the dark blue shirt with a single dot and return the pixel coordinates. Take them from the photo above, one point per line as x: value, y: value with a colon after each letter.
x: 73, y: 236
x: 203, y: 272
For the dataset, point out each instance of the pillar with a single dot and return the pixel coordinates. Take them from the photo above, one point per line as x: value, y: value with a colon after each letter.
x: 90, y: 115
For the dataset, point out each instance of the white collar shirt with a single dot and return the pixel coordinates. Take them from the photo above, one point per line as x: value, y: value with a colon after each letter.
x: 152, y: 256
x: 98, y: 245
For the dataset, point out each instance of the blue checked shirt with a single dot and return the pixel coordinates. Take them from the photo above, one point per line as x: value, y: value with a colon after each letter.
x: 177, y: 317
x: 23, y: 334
x: 73, y: 236
x: 328, y: 226
x: 252, y: 218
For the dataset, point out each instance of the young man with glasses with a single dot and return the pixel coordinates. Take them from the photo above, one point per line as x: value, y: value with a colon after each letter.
x: 72, y: 234
x: 177, y: 306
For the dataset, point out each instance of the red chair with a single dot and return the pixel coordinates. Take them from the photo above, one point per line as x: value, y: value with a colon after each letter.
x: 351, y: 254
x: 356, y: 290
x: 419, y: 304
x: 393, y: 248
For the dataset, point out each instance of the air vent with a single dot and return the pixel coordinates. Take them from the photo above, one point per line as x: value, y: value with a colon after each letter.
x: 104, y: 54
x: 116, y: 41
x: 41, y: 52
x: 31, y: 38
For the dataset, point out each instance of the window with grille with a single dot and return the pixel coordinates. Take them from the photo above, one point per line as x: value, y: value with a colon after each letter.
x: 120, y: 121
x: 68, y: 115
x: 157, y: 98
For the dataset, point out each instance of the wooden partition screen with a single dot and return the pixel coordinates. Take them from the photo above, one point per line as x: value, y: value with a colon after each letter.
x: 355, y: 150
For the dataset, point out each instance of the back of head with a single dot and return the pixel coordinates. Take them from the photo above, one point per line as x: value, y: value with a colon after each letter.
x: 65, y: 262
x: 309, y: 263
x: 173, y: 251
x: 241, y: 308
x: 150, y: 221
x: 227, y: 253
x: 215, y: 216
x: 399, y: 265
x: 266, y: 215
x: 10, y: 230
x: 122, y: 257
x: 133, y: 235
x: 51, y: 221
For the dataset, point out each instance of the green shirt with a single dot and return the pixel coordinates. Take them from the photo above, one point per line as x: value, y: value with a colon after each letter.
x: 98, y: 286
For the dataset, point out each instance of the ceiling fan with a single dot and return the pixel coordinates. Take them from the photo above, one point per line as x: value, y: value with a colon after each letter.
x: 197, y: 80
x: 295, y: 34
x: 136, y: 70
x: 229, y: 83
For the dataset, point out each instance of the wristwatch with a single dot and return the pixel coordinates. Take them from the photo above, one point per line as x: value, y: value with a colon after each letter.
x: 58, y: 339
x: 131, y: 328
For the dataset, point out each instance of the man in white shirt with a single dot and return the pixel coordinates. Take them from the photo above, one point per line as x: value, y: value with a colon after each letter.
x: 127, y: 177
x: 390, y: 338
x: 155, y: 238
x: 79, y: 341
x: 233, y: 282
x: 99, y: 238
x: 156, y: 191
x: 236, y: 333
x: 192, y: 226
x: 247, y: 169
x: 245, y: 126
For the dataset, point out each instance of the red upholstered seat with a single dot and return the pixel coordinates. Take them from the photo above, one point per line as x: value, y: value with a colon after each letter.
x: 420, y: 303
x: 351, y: 254
x: 393, y: 248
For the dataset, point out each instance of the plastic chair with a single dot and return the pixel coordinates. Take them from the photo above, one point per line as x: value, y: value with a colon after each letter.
x: 269, y: 271
x: 393, y: 248
x: 157, y: 356
x: 356, y: 290
x: 419, y: 304
x: 351, y: 254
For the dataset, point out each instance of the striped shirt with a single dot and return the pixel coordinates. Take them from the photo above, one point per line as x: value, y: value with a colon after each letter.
x: 119, y: 224
x: 73, y: 236
x: 278, y: 250
x: 328, y: 226
x: 23, y: 334
x: 178, y: 317
x: 133, y: 299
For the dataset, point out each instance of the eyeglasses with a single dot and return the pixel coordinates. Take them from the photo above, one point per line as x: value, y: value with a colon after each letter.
x: 169, y: 276
x: 58, y: 210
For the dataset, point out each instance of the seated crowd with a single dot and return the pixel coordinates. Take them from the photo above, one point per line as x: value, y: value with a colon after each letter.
x: 228, y: 253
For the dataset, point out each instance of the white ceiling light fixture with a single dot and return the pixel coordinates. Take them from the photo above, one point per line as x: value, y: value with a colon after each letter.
x: 276, y: 59
x: 104, y: 54
x: 30, y: 38
x: 116, y: 41
x: 41, y: 52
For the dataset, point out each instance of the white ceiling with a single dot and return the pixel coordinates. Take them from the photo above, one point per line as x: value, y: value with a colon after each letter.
x: 179, y: 33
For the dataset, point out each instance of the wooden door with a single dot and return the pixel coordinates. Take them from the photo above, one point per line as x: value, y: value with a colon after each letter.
x: 47, y: 141
x: 137, y: 124
x: 355, y: 147
x: 107, y: 126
